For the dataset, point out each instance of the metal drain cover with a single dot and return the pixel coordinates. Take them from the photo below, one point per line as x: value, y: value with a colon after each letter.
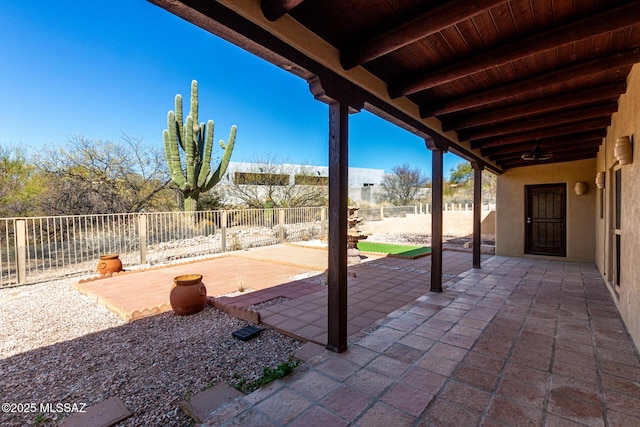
x: 247, y: 333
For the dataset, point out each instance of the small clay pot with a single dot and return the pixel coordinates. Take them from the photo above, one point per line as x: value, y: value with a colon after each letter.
x: 188, y: 294
x: 109, y: 263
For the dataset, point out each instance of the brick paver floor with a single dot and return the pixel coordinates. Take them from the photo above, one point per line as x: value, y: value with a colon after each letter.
x: 518, y: 342
x: 137, y: 294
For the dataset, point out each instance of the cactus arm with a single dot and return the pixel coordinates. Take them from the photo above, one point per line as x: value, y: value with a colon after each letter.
x: 171, y: 152
x: 224, y: 162
x: 190, y: 154
x: 201, y: 139
x: 193, y: 112
x: 178, y: 120
x: 206, y: 161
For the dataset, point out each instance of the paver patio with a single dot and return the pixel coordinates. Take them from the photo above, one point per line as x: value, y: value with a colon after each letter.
x: 136, y: 294
x: 518, y: 342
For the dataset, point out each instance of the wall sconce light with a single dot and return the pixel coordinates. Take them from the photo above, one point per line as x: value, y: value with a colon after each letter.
x: 623, y: 151
x: 600, y: 180
x: 581, y: 188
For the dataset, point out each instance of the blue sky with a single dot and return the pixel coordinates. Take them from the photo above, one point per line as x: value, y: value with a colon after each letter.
x: 99, y: 69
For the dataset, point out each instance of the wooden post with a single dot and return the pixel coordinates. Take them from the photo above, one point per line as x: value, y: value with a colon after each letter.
x: 342, y: 99
x: 436, y: 218
x: 338, y: 190
x: 142, y: 237
x: 21, y: 250
x: 477, y: 211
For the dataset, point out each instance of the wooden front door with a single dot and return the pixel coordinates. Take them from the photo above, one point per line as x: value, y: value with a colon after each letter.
x: 546, y: 218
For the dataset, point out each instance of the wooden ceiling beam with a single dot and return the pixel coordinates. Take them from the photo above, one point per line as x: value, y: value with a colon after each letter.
x: 610, y: 20
x: 561, y: 102
x: 555, y: 131
x: 572, y: 138
x: 276, y: 9
x: 418, y: 28
x: 583, y: 69
x: 519, y: 162
x: 554, y: 148
x: 540, y: 122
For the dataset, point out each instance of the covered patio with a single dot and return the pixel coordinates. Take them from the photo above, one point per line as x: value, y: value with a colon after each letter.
x: 515, y: 87
x: 544, y: 94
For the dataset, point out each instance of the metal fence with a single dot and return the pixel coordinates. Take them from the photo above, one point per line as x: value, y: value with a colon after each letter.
x: 39, y: 249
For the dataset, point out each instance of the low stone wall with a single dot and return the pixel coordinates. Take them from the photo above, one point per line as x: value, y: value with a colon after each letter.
x: 454, y: 223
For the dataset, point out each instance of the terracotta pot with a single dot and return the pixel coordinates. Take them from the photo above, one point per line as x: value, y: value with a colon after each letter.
x: 188, y: 294
x: 109, y: 263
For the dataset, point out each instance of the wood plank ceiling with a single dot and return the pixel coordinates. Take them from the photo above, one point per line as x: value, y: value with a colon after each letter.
x: 504, y: 75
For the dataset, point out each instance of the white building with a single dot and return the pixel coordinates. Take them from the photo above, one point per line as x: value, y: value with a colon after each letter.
x: 363, y: 182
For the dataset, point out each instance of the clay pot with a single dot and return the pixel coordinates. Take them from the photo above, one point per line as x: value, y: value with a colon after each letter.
x: 109, y: 263
x: 188, y: 294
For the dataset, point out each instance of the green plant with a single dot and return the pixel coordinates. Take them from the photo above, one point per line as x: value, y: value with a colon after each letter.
x: 197, y: 142
x: 240, y: 282
x: 41, y: 419
x: 268, y: 375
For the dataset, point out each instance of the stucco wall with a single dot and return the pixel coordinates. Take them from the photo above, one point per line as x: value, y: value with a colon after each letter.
x: 625, y: 122
x: 510, y: 209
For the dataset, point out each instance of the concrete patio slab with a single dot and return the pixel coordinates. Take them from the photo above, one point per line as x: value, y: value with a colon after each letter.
x: 103, y: 414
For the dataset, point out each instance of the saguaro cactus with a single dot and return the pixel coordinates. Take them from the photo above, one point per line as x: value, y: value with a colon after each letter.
x: 197, y: 142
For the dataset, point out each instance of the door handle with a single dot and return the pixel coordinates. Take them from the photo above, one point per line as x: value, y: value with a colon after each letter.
x: 528, y: 220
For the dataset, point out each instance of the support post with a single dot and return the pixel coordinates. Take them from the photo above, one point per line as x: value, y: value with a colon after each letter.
x: 338, y: 191
x: 477, y: 211
x: 342, y: 99
x: 142, y: 237
x: 436, y: 218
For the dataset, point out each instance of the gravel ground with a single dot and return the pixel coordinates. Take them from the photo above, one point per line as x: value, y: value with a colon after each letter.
x: 56, y: 346
x: 449, y: 242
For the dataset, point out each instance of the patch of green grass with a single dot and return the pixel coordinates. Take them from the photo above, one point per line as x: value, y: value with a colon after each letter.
x: 400, y: 250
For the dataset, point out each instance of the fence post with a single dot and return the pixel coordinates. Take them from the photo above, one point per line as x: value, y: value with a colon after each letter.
x: 281, y: 225
x: 381, y: 213
x: 21, y: 249
x: 142, y: 235
x: 323, y: 222
x: 223, y: 231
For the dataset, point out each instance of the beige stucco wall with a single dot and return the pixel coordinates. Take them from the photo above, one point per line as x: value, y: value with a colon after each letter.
x: 625, y: 122
x: 510, y: 213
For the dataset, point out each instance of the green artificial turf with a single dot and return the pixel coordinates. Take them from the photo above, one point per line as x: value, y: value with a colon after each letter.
x: 400, y: 250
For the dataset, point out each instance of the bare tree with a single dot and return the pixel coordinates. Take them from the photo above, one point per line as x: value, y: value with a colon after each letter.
x: 459, y: 187
x: 282, y: 184
x: 403, y: 185
x: 94, y: 176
